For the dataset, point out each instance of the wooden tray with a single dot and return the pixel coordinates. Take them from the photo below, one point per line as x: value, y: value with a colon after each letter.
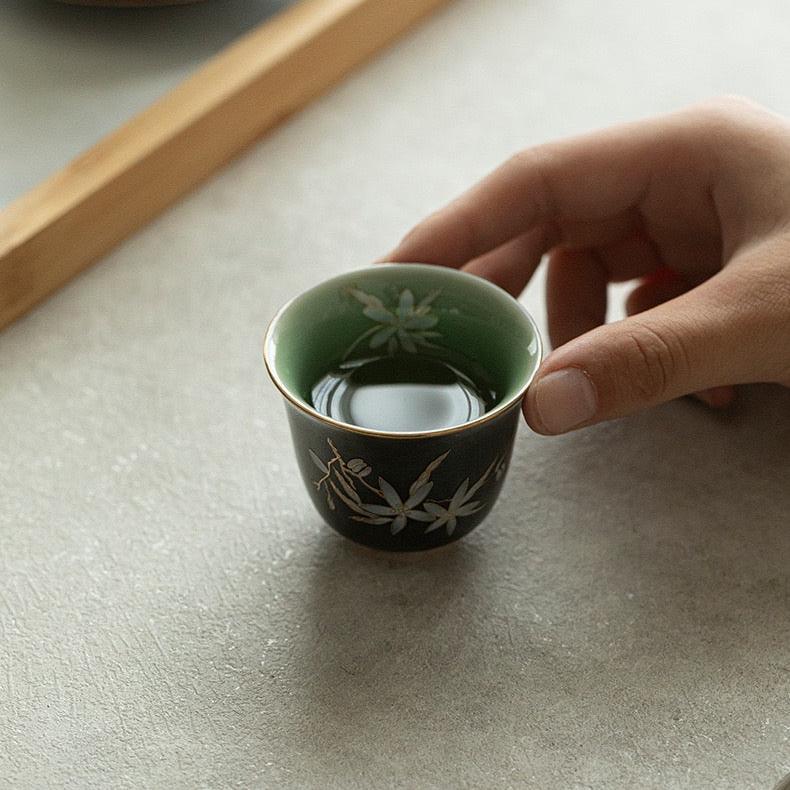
x: 77, y: 215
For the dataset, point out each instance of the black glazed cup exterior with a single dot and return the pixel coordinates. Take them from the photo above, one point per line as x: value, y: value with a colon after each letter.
x: 402, y: 490
x: 403, y: 493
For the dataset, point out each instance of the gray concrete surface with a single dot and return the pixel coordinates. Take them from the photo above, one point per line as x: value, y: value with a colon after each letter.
x: 173, y: 614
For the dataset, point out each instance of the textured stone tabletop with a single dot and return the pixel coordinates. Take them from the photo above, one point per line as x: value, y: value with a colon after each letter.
x: 173, y: 614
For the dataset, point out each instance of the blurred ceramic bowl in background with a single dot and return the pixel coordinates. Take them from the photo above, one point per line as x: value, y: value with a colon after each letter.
x: 128, y: 3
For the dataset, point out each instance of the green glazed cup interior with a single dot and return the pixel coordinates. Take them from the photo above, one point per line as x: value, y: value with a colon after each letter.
x: 402, y: 307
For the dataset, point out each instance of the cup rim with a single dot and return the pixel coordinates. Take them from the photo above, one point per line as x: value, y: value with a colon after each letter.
x: 497, y: 411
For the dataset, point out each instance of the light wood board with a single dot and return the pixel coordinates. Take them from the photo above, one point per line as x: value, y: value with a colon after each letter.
x: 80, y: 213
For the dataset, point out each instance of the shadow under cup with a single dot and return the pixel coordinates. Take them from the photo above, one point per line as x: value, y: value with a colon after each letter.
x: 390, y: 489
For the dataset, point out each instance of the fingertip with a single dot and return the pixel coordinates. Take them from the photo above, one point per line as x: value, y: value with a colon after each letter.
x: 405, y: 251
x: 716, y: 397
x: 532, y: 418
x: 560, y: 401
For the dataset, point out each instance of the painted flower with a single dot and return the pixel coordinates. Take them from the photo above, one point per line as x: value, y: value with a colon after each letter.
x: 341, y: 479
x: 406, y: 326
x: 397, y: 512
x: 458, y: 506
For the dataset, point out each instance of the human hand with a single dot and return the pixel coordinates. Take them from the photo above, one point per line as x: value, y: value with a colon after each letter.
x: 695, y: 205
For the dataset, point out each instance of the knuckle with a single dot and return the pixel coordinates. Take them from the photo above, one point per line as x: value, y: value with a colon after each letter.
x: 531, y: 158
x: 729, y: 110
x: 535, y: 164
x: 655, y: 359
x: 733, y: 103
x: 739, y: 120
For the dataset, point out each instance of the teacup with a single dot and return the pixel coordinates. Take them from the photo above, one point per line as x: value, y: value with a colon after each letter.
x: 393, y: 488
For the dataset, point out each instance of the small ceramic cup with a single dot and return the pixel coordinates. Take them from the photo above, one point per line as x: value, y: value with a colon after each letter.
x: 390, y: 489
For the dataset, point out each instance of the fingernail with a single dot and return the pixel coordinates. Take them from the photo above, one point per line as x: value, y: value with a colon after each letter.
x: 565, y: 399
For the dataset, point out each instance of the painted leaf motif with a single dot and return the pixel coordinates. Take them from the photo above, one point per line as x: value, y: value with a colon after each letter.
x: 417, y: 496
x: 390, y: 494
x: 371, y: 520
x: 380, y: 315
x: 473, y: 490
x: 392, y: 346
x: 459, y: 496
x: 419, y: 515
x: 439, y: 522
x: 427, y: 472
x: 382, y: 336
x: 398, y: 523
x: 379, y: 510
x: 341, y: 478
x: 420, y: 322
x: 468, y: 509
x: 352, y: 494
x: 405, y: 303
x: 366, y: 299
x: 318, y: 462
x: 349, y: 502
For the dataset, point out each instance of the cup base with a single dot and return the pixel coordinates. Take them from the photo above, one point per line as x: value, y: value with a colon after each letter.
x: 408, y: 549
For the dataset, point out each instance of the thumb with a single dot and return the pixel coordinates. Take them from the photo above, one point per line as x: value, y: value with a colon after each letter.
x: 691, y: 343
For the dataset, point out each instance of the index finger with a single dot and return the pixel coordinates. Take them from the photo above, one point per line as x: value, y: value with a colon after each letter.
x: 588, y: 179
